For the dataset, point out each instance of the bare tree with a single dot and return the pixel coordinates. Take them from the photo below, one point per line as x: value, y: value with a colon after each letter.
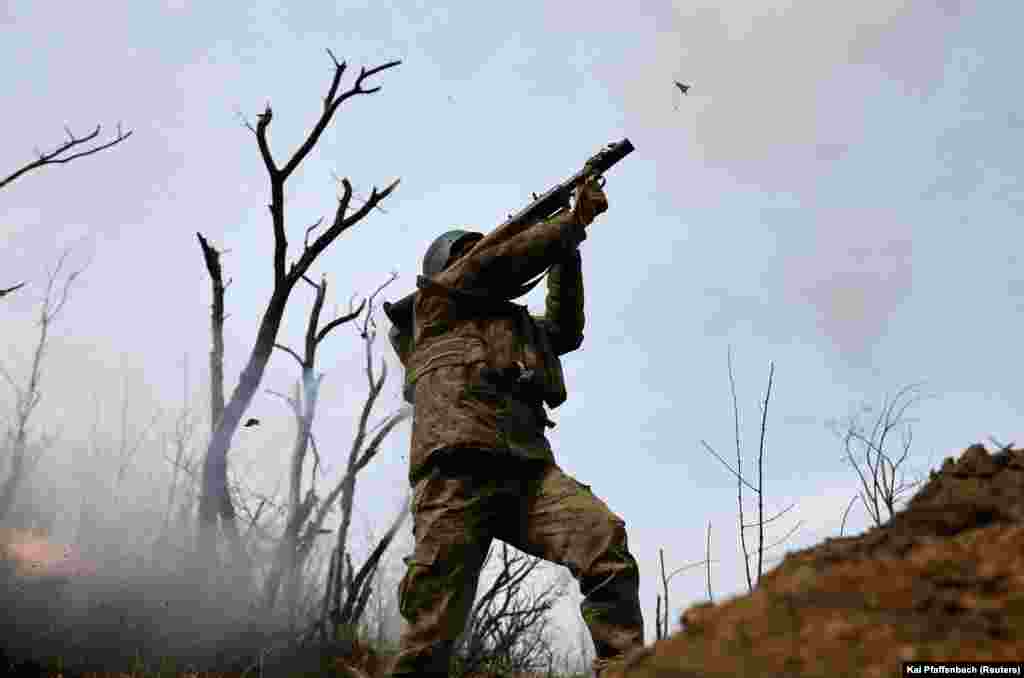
x: 215, y: 488
x: 508, y: 623
x: 758, y: 491
x: 662, y: 603
x: 380, y: 619
x: 29, y: 394
x: 77, y: 147
x: 300, y: 531
x: 346, y: 613
x: 184, y: 429
x: 660, y: 610
x: 225, y: 508
x: 867, y: 447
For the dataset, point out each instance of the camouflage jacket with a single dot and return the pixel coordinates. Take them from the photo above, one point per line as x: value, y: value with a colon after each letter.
x: 457, y: 345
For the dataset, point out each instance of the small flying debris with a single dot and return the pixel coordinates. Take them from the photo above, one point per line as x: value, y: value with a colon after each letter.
x: 252, y: 422
x: 682, y: 88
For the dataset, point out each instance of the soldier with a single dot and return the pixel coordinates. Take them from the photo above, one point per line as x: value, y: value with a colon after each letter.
x: 479, y: 370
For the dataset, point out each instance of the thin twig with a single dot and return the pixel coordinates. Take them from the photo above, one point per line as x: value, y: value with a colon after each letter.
x: 773, y: 518
x: 760, y: 471
x: 842, y: 526
x: 739, y: 466
x: 782, y: 539
x: 726, y: 465
x: 664, y: 585
x: 708, y: 558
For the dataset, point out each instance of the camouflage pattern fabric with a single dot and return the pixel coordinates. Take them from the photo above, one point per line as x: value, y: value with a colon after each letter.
x: 480, y: 463
x: 467, y: 500
x: 453, y: 345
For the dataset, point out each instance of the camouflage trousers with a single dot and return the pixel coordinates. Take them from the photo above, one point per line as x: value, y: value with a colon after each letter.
x: 463, y: 503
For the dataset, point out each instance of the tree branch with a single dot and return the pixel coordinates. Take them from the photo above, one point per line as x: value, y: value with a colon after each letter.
x: 262, y: 123
x: 760, y: 471
x: 292, y: 353
x: 842, y: 525
x: 776, y: 516
x: 739, y: 469
x: 316, y: 224
x: 52, y: 158
x: 7, y: 291
x: 331, y: 105
x: 339, y: 321
x: 342, y: 222
x: 368, y: 320
x: 389, y: 424
x: 726, y: 464
x: 707, y: 557
x: 291, y: 401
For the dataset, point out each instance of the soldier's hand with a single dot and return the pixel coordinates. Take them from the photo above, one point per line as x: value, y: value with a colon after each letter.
x: 590, y: 200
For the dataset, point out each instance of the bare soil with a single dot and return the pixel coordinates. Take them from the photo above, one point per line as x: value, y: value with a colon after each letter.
x: 942, y: 580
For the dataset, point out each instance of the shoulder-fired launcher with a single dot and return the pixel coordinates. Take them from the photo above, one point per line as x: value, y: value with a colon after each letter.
x: 543, y: 207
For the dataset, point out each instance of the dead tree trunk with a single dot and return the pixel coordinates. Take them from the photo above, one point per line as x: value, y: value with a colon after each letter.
x: 302, y: 525
x: 241, y: 565
x: 214, y: 498
x: 345, y: 613
x: 27, y: 397
x: 303, y: 404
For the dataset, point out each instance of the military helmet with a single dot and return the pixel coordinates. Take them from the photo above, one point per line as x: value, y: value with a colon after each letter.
x: 436, y: 258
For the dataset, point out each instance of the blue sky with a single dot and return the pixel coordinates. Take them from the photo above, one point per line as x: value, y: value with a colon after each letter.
x: 840, y: 193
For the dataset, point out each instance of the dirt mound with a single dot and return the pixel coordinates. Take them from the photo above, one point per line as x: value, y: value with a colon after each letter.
x: 943, y: 580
